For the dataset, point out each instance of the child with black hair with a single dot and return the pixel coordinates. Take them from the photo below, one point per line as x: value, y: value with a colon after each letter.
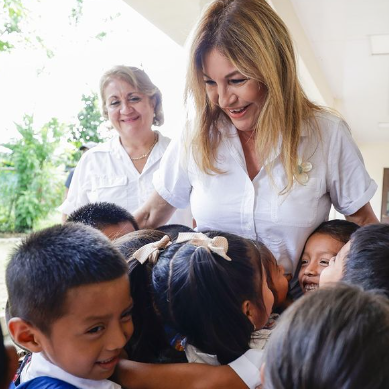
x: 333, y: 338
x: 8, y: 363
x: 324, y: 243
x: 363, y: 261
x: 210, y: 288
x: 172, y: 230
x: 111, y: 219
x: 70, y: 306
x: 149, y: 342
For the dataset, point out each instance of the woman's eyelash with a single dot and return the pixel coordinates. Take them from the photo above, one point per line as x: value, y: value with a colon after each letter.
x: 238, y: 81
x: 134, y: 99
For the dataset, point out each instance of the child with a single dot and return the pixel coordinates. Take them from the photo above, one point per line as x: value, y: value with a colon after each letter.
x: 172, y: 230
x: 275, y: 276
x: 364, y: 261
x: 8, y: 363
x: 111, y: 219
x: 70, y: 306
x: 333, y: 338
x: 211, y: 288
x: 149, y: 342
x: 323, y: 244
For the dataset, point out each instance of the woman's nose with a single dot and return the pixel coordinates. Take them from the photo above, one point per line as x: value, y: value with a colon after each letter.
x: 126, y: 107
x: 226, y: 97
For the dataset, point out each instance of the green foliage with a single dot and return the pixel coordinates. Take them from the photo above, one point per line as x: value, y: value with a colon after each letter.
x: 87, y: 128
x: 12, y: 13
x: 76, y: 12
x: 34, y: 187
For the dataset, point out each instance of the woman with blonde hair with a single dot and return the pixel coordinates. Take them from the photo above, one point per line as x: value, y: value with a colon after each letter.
x: 120, y: 171
x: 262, y: 161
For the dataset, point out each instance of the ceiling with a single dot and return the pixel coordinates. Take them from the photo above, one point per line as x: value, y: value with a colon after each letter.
x: 332, y: 38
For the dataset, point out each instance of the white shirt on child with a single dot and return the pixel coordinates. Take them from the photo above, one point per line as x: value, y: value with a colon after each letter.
x: 254, y: 209
x: 106, y: 173
x: 247, y: 366
x: 39, y: 366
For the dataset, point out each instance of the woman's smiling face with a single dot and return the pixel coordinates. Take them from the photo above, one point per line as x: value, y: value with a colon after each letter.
x: 240, y: 98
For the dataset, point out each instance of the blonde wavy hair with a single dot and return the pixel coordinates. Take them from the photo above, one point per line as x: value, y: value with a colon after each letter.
x: 256, y: 41
x: 140, y: 81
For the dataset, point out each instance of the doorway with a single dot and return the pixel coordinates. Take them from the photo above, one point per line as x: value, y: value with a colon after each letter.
x: 385, y: 197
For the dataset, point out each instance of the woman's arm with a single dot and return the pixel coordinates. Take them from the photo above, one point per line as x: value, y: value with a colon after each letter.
x: 363, y: 216
x: 154, y: 212
x: 135, y: 375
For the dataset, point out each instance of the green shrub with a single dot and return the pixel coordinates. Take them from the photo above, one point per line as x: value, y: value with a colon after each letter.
x: 35, y: 185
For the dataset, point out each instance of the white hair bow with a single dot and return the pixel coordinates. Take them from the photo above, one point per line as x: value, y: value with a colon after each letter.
x: 151, y: 251
x: 218, y: 244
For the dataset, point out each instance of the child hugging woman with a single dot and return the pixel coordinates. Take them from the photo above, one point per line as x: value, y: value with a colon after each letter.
x: 210, y: 288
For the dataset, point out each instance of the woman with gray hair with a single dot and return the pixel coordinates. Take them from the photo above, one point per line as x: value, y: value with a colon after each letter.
x: 120, y: 171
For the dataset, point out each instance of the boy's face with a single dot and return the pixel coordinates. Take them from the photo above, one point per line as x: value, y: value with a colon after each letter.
x: 114, y: 231
x: 318, y: 251
x: 89, y: 338
x: 334, y: 271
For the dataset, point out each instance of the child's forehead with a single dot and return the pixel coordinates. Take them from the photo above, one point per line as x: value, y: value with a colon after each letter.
x: 323, y: 238
x: 98, y: 299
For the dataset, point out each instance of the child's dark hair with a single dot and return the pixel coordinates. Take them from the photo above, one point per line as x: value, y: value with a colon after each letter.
x: 200, y: 294
x: 149, y: 340
x: 332, y: 338
x: 172, y: 230
x: 367, y: 263
x: 101, y: 215
x: 337, y: 229
x: 50, y: 262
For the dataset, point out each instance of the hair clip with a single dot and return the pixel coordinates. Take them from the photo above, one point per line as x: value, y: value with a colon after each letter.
x: 151, y: 251
x: 218, y: 244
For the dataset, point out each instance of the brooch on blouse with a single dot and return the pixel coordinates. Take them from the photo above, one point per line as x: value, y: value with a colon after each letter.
x: 302, y: 169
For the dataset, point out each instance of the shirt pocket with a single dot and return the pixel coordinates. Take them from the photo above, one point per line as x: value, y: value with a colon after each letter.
x: 109, y: 189
x: 299, y: 206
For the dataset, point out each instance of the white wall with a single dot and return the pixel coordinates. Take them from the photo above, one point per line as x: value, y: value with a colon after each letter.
x: 376, y: 156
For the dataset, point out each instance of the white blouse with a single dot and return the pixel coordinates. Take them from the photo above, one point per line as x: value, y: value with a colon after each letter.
x: 233, y: 203
x: 106, y: 173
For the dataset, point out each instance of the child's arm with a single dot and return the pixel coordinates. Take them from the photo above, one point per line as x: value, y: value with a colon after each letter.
x: 137, y: 375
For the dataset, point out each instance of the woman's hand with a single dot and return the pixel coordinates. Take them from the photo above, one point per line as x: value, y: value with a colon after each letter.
x: 154, y: 212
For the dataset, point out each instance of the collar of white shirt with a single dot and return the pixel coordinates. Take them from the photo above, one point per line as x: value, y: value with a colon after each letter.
x: 40, y: 366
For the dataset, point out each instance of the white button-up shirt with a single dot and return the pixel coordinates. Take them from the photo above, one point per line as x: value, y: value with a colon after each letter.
x: 254, y: 209
x: 106, y: 173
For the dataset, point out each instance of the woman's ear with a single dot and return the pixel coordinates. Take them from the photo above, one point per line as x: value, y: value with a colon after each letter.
x: 24, y: 334
x: 153, y: 101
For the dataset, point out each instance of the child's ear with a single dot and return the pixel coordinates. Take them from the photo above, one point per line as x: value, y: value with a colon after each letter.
x: 24, y: 334
x: 247, y: 309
